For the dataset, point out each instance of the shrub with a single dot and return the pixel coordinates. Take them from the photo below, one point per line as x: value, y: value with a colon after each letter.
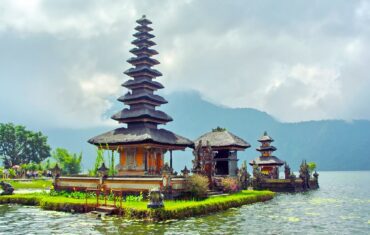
x: 198, y: 185
x: 230, y: 185
x: 12, y: 173
x: 133, y: 198
x: 311, y: 167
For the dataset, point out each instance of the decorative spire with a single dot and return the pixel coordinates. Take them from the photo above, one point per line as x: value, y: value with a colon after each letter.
x: 141, y: 100
x: 265, y: 138
x: 266, y: 149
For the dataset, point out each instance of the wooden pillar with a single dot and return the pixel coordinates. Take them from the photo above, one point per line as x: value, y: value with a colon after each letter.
x: 146, y: 161
x: 155, y: 159
x: 171, y: 158
x: 97, y: 198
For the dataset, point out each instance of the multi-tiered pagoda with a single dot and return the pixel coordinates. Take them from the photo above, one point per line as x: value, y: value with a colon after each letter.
x: 268, y: 164
x: 142, y: 144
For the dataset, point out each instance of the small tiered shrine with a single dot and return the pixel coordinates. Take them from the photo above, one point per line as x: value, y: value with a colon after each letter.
x: 267, y: 163
x: 223, y: 146
x: 142, y: 144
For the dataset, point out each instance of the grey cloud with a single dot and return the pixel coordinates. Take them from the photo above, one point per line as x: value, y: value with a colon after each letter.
x: 236, y: 53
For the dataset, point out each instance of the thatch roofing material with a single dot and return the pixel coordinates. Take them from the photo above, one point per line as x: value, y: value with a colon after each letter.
x: 267, y: 148
x: 137, y: 83
x: 148, y: 96
x: 266, y: 138
x: 271, y: 160
x: 143, y: 21
x: 143, y: 69
x: 143, y: 35
x: 143, y: 51
x: 143, y: 59
x: 122, y: 136
x: 222, y: 139
x: 143, y: 28
x: 137, y: 113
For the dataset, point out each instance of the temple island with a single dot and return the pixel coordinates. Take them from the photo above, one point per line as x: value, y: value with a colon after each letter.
x: 142, y: 145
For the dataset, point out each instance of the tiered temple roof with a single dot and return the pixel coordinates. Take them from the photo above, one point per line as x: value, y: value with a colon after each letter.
x: 142, y: 117
x: 266, y: 150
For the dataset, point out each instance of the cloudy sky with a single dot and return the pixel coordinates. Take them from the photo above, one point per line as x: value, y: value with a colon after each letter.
x: 61, y: 62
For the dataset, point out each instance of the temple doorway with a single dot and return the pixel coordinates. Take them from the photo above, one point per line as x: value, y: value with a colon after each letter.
x: 222, y: 162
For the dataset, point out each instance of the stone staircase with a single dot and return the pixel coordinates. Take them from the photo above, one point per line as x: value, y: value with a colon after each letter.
x: 102, y: 211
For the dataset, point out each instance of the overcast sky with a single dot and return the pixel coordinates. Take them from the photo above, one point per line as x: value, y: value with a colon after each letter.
x: 61, y: 62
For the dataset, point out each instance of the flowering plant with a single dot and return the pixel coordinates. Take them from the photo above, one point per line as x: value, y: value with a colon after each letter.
x: 230, y: 185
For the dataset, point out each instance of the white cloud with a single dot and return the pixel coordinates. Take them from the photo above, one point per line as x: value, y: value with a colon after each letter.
x: 298, y: 61
x: 64, y: 18
x: 88, y: 99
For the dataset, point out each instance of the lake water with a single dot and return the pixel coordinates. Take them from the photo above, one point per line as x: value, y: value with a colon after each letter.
x: 340, y: 206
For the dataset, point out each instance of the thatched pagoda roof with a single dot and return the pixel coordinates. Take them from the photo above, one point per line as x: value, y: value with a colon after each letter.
x: 222, y: 139
x: 141, y: 113
x: 265, y: 138
x: 266, y: 148
x: 140, y: 135
x: 271, y: 160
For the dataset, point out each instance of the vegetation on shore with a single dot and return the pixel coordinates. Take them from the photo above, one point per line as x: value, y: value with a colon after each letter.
x: 30, y: 184
x: 132, y: 209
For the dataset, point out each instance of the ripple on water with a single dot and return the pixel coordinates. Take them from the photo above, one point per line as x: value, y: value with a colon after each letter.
x: 334, y: 208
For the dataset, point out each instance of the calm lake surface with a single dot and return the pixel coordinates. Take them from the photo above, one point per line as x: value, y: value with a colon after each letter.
x: 340, y: 206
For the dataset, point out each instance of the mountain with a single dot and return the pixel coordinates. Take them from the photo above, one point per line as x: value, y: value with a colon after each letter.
x: 332, y: 144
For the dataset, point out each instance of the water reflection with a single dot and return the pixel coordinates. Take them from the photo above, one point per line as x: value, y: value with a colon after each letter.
x: 340, y: 206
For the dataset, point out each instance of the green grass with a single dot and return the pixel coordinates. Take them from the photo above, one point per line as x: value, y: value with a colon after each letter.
x: 138, y: 210
x: 32, y: 184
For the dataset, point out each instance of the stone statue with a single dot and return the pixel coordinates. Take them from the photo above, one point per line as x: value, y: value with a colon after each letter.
x: 166, y: 172
x: 286, y: 170
x: 197, y: 152
x: 257, y: 175
x: 316, y: 175
x: 304, y: 174
x: 155, y: 199
x: 275, y: 173
x: 243, y: 176
x: 203, y: 160
x: 7, y: 188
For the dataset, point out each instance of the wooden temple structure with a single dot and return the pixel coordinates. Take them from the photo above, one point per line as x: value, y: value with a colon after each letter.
x: 224, y: 146
x: 268, y: 164
x: 141, y: 144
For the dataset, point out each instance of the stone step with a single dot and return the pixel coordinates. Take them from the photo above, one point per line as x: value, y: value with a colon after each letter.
x: 214, y: 193
x: 98, y: 214
x: 108, y: 210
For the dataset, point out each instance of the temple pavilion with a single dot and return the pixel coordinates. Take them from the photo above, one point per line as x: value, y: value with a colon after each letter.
x: 141, y: 144
x: 268, y: 164
x: 224, y: 146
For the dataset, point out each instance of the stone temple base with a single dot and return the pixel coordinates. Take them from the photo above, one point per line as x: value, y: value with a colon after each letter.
x: 283, y: 185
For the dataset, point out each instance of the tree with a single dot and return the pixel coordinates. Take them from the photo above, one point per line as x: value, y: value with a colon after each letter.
x: 20, y: 146
x: 47, y: 164
x: 311, y: 167
x: 70, y: 163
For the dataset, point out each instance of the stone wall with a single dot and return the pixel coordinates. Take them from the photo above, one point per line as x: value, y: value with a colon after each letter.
x: 125, y: 184
x: 284, y: 185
